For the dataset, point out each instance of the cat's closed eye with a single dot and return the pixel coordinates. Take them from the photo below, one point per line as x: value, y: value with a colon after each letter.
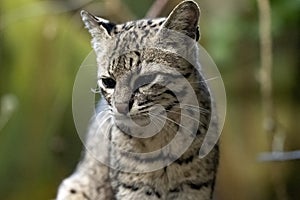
x: 109, y: 83
x: 144, y: 80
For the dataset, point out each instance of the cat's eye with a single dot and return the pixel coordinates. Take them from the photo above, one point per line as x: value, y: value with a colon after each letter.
x: 144, y: 80
x: 109, y: 82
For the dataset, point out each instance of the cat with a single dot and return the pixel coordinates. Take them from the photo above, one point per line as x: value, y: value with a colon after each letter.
x: 148, y: 78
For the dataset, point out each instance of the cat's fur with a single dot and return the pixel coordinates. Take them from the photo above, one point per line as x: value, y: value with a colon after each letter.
x: 126, y: 52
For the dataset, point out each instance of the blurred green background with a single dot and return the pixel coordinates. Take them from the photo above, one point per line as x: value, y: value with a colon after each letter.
x: 42, y: 44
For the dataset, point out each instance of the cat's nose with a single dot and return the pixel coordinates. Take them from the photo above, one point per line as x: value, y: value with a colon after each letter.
x: 122, y: 108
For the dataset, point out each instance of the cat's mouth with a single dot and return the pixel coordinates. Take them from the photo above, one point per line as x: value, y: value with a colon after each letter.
x: 132, y: 119
x: 138, y: 126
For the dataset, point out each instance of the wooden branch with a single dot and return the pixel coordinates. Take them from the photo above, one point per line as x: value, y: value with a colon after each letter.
x: 269, y: 120
x: 271, y: 125
x: 279, y: 156
x: 266, y: 64
x: 156, y: 8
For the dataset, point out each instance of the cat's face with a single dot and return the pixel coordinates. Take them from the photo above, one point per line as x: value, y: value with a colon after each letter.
x: 133, y: 75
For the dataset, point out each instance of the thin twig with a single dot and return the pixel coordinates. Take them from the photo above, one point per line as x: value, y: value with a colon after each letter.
x: 266, y: 65
x: 156, y: 8
x: 271, y: 125
x: 270, y: 121
x: 279, y: 156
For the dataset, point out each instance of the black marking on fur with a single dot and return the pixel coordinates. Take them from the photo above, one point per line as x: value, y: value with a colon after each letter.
x: 128, y: 27
x: 137, y: 53
x: 130, y: 187
x: 144, y: 35
x: 130, y: 61
x: 144, y: 108
x: 187, y: 160
x: 143, y: 103
x: 86, y: 196
x: 153, y: 25
x: 108, y: 26
x: 169, y: 107
x: 135, y: 35
x: 187, y: 75
x: 73, y: 191
x: 177, y: 189
x: 170, y: 93
x: 105, y: 95
x: 198, y: 132
x: 197, y: 33
x: 198, y: 186
x: 130, y: 104
x: 151, y: 192
x: 157, y: 194
x: 156, y: 158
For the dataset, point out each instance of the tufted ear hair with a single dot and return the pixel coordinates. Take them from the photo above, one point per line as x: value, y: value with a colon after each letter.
x: 99, y: 28
x: 184, y: 18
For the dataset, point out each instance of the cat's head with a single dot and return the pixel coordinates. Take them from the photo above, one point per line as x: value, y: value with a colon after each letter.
x: 135, y: 71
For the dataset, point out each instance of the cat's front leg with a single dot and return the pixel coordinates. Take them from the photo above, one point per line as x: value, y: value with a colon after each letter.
x: 90, y: 181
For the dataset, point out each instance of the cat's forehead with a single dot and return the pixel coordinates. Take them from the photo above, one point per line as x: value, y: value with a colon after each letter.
x: 134, y: 35
x: 139, y: 26
x: 127, y: 44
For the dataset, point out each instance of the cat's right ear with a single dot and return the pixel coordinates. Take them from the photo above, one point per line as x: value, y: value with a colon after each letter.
x: 98, y: 27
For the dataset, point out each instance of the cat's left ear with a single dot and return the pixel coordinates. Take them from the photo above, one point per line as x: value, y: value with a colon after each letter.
x: 184, y: 18
x: 98, y: 27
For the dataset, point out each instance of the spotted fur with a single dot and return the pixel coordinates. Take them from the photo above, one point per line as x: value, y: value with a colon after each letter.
x: 133, y: 75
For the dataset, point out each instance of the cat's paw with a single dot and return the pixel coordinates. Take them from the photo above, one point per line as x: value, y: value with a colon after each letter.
x: 75, y: 187
x: 80, y: 187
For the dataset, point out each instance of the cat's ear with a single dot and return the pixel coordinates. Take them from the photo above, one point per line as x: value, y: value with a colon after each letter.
x: 98, y: 27
x: 184, y: 18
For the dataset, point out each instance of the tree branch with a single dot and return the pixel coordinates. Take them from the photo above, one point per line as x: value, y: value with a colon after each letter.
x: 266, y: 65
x: 156, y: 8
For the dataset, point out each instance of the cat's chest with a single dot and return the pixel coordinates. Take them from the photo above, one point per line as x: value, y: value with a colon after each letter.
x: 162, y: 182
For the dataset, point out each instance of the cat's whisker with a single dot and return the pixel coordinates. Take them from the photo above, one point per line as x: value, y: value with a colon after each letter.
x: 198, y: 110
x: 157, y: 123
x: 106, y: 131
x: 103, y: 115
x: 95, y: 90
x: 206, y: 80
x: 104, y: 118
x: 185, y: 115
x: 89, y: 65
x: 168, y: 125
x: 195, y: 107
x: 167, y: 118
x: 106, y: 110
x: 163, y: 122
